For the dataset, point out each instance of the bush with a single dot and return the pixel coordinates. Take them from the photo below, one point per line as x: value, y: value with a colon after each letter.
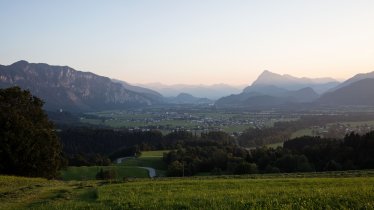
x: 107, y: 174
x: 246, y: 168
x: 216, y: 171
x: 175, y: 169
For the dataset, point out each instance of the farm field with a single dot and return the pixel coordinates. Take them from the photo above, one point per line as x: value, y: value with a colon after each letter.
x: 334, y: 190
x: 275, y: 145
x: 356, y: 123
x: 302, y: 132
x: 336, y: 130
x: 167, y: 120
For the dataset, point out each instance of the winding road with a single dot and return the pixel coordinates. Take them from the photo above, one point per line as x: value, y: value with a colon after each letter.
x: 151, y: 171
x: 122, y: 159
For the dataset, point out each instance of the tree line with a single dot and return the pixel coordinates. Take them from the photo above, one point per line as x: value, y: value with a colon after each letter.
x: 304, y: 154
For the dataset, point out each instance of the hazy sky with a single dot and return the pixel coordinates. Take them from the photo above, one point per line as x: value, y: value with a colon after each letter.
x: 192, y: 41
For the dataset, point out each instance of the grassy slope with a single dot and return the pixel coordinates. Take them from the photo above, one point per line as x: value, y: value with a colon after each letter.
x: 353, y: 190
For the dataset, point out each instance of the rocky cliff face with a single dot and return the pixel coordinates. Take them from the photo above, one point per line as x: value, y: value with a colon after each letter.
x: 62, y: 87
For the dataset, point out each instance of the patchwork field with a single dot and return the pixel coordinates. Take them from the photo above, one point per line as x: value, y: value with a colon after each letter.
x: 198, y: 121
x: 336, y: 130
x: 338, y: 190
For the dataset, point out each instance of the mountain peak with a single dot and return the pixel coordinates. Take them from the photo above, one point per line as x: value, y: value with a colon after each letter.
x: 20, y: 63
x: 184, y: 95
x: 289, y: 82
x: 267, y: 72
x: 267, y: 77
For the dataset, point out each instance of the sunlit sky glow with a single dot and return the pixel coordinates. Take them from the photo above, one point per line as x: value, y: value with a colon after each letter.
x: 194, y: 41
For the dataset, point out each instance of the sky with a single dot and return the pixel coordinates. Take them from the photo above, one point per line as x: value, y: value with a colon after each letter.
x: 192, y: 41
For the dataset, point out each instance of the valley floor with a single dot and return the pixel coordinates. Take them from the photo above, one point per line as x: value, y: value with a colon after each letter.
x: 335, y: 190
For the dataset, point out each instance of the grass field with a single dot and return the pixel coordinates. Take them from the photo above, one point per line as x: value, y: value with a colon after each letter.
x: 151, y: 159
x: 356, y: 123
x: 352, y: 125
x: 130, y: 168
x: 227, y: 122
x: 338, y: 190
x: 302, y: 132
x: 275, y: 145
x: 154, y: 154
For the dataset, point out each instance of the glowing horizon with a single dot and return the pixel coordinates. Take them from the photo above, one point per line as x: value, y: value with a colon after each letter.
x: 194, y: 42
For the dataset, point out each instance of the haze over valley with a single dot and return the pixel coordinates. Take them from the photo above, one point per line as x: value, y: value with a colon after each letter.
x: 167, y: 105
x: 65, y: 88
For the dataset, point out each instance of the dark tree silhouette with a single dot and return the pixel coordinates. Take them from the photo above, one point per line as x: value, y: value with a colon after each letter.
x: 28, y: 143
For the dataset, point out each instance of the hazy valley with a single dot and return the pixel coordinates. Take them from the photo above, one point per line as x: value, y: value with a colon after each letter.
x: 65, y: 88
x: 184, y: 105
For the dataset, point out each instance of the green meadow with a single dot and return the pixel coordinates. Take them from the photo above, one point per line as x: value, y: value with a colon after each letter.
x: 130, y: 168
x: 337, y: 190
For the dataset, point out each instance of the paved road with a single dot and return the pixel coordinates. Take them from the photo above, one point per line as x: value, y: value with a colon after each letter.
x: 151, y: 171
x: 122, y: 159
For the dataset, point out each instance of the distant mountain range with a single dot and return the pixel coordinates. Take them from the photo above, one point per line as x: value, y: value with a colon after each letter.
x: 185, y: 98
x: 268, y: 99
x: 358, y: 93
x: 148, y: 92
x: 288, y: 82
x: 62, y: 87
x: 272, y: 90
x: 354, y: 79
x: 211, y: 92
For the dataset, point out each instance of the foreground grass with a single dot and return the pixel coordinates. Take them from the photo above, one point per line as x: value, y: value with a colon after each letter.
x: 284, y: 191
x: 297, y: 193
